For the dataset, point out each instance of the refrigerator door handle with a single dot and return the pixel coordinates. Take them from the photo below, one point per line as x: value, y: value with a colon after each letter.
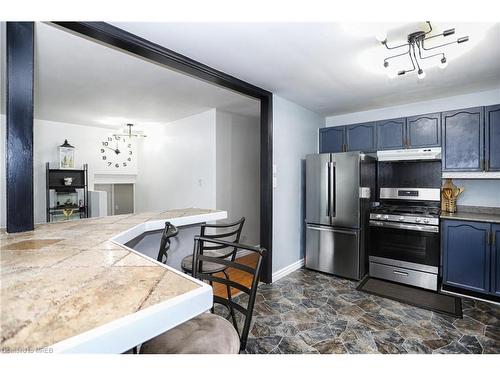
x: 327, y: 190
x: 331, y: 178
x: 330, y: 229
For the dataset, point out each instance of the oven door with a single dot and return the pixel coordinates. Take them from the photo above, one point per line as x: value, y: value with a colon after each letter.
x: 413, y: 243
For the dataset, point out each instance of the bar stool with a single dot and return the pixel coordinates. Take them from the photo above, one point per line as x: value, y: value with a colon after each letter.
x: 209, y: 333
x: 169, y: 231
x: 229, y: 233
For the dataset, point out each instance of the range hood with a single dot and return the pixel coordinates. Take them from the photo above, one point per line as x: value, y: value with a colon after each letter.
x: 432, y: 153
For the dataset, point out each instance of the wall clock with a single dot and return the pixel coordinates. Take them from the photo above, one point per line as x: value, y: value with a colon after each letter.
x: 117, y: 151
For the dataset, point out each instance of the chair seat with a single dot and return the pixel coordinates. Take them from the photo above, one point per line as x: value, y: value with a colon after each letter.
x: 208, y: 267
x: 205, y: 334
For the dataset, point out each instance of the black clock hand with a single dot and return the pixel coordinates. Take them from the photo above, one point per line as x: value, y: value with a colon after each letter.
x: 116, y: 151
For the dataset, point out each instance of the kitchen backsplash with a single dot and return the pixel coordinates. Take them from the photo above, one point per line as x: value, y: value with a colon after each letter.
x: 479, y: 192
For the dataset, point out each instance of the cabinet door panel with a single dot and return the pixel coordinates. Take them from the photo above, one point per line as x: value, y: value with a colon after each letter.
x: 391, y: 134
x: 466, y: 255
x: 492, y: 127
x: 495, y: 260
x: 463, y: 139
x: 331, y: 139
x: 424, y: 130
x: 361, y: 137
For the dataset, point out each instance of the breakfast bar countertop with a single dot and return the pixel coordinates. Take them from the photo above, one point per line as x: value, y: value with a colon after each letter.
x: 74, y: 287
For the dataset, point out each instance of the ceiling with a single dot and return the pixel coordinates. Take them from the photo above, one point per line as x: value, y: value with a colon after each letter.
x: 82, y: 82
x: 332, y: 68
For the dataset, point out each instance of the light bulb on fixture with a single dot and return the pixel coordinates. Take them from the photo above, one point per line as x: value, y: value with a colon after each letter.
x: 444, y: 63
x: 421, y: 74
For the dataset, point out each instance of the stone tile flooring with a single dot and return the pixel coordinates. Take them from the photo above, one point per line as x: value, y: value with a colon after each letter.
x: 309, y: 312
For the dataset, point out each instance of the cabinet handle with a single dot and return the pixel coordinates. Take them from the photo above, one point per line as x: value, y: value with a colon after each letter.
x: 487, y: 165
x: 481, y: 164
x: 488, y: 237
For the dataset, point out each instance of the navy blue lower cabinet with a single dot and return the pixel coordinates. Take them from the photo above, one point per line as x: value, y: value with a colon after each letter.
x: 495, y: 260
x: 466, y: 255
x: 332, y: 139
x: 361, y: 137
x: 391, y: 134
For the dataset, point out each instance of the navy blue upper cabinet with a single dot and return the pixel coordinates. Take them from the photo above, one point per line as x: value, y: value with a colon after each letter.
x: 332, y: 139
x: 361, y: 137
x: 463, y: 139
x: 391, y: 134
x: 423, y: 131
x: 466, y: 255
x: 492, y: 147
x: 495, y: 260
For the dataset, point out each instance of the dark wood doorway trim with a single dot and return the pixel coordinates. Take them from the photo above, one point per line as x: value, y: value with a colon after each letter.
x: 19, y: 129
x: 118, y: 38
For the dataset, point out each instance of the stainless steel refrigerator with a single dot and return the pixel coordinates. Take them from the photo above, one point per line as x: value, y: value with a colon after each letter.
x: 339, y: 190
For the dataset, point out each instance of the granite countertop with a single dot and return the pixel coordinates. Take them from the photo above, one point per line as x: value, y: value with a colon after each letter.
x: 472, y: 213
x: 66, y: 278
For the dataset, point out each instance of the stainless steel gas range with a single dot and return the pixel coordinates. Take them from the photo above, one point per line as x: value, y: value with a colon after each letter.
x: 404, y: 236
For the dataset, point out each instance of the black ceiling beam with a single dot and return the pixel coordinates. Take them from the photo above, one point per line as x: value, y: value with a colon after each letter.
x: 119, y: 38
x: 19, y: 110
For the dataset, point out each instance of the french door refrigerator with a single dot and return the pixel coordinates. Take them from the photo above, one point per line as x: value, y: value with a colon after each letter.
x: 339, y: 190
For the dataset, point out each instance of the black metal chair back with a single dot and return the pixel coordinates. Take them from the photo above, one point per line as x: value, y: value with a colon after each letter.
x: 247, y: 311
x: 169, y: 231
x: 230, y: 232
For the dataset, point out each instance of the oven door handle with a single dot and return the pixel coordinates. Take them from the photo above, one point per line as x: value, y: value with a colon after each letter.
x: 415, y: 227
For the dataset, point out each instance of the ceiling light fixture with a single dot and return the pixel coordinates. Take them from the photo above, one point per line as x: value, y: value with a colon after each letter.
x: 129, y: 132
x: 416, y: 43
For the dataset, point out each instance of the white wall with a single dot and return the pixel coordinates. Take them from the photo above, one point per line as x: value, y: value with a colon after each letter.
x: 238, y: 171
x: 177, y: 164
x: 48, y: 135
x: 295, y: 134
x: 437, y: 105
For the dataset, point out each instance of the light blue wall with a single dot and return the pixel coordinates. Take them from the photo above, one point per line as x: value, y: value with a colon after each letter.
x: 295, y: 134
x: 479, y: 192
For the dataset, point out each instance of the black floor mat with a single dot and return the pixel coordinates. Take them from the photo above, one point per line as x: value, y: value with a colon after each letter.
x: 425, y: 299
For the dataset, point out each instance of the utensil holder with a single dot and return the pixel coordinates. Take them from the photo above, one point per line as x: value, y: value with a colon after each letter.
x: 450, y: 204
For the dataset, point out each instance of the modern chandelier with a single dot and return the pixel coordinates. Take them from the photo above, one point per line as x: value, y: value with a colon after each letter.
x: 129, y: 132
x: 416, y: 49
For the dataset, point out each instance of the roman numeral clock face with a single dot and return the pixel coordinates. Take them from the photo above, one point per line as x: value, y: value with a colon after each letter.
x: 117, y: 152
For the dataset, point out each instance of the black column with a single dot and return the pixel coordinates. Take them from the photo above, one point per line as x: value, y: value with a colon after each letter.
x: 19, y: 104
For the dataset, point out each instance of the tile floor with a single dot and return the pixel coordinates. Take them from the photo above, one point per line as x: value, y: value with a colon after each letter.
x: 309, y: 312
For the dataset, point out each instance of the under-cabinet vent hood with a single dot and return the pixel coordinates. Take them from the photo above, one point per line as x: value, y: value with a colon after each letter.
x: 431, y: 153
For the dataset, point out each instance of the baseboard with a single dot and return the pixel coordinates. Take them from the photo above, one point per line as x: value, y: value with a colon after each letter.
x: 288, y: 269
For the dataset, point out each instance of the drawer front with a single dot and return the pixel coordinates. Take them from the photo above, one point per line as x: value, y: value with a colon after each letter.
x: 404, y: 275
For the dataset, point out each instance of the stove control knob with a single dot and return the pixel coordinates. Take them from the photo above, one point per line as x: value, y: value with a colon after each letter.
x: 401, y: 218
x: 378, y: 216
x: 386, y: 217
x: 426, y: 220
x: 417, y: 220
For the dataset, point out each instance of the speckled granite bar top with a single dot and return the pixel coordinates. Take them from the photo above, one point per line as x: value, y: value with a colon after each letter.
x: 473, y: 213
x: 66, y: 278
